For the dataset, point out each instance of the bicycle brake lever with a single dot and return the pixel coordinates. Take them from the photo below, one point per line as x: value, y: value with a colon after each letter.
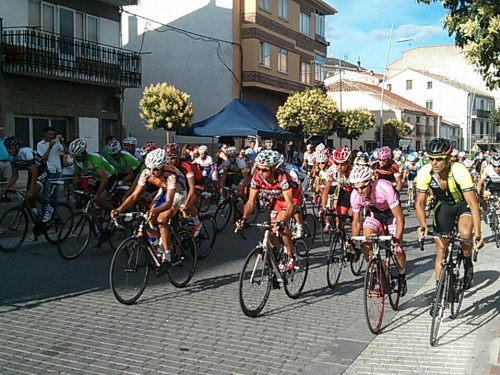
x: 474, y: 254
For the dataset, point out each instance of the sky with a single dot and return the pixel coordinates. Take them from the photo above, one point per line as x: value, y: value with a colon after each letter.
x: 361, y: 29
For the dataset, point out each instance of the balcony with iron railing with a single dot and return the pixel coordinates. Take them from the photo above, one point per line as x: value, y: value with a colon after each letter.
x: 322, y: 40
x: 481, y: 113
x: 32, y: 52
x: 120, y: 2
x: 485, y: 138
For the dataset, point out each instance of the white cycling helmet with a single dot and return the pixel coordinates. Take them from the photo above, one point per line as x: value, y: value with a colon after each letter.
x: 114, y: 147
x: 130, y: 141
x: 77, y: 147
x: 397, y: 153
x: 203, y: 149
x: 495, y: 160
x: 454, y: 152
x: 156, y: 159
x: 281, y: 159
x: 321, y: 157
x: 320, y: 148
x: 360, y: 173
x: 267, y: 158
x: 359, y: 153
x: 461, y: 154
x: 468, y: 163
x: 231, y: 151
x: 411, y: 158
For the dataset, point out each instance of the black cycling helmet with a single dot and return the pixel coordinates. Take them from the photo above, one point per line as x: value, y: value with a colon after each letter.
x: 439, y: 146
x: 495, y: 160
x: 11, y: 141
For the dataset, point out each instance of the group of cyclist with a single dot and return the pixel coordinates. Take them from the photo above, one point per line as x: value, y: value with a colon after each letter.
x: 348, y: 184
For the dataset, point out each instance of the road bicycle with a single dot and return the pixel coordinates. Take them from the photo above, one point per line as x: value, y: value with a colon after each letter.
x: 342, y: 253
x: 207, y: 236
x: 136, y: 257
x: 381, y: 279
x: 14, y: 222
x: 265, y: 268
x: 410, y: 203
x: 231, y: 209
x: 208, y: 195
x: 492, y: 215
x: 91, y: 221
x: 450, y: 287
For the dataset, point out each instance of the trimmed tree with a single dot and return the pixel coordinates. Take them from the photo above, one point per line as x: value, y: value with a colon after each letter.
x: 476, y: 25
x: 165, y: 107
x: 394, y: 130
x: 353, y: 123
x: 308, y: 113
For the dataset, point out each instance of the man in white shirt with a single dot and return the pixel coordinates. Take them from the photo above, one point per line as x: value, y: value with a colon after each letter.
x: 5, y: 168
x: 51, y: 148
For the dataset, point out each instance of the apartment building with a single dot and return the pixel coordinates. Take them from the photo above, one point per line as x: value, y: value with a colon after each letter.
x: 218, y: 50
x: 61, y: 65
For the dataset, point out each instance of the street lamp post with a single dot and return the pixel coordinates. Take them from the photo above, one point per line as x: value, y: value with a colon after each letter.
x: 381, y: 122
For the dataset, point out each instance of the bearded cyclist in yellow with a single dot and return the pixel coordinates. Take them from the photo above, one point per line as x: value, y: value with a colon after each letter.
x: 455, y: 195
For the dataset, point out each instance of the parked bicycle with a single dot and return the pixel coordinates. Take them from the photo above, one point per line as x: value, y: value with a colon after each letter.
x: 450, y: 287
x: 342, y: 253
x: 265, y: 268
x: 381, y: 279
x: 136, y: 256
x: 14, y: 223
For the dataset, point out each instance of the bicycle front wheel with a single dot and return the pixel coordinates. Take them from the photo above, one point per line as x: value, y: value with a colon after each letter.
x: 184, y: 258
x: 439, y: 304
x: 13, y: 229
x: 357, y: 261
x: 393, y: 275
x: 223, y: 215
x: 309, y: 225
x: 207, y: 236
x: 328, y: 223
x: 295, y: 279
x: 62, y: 212
x: 129, y: 271
x: 78, y: 238
x: 335, y: 261
x: 494, y: 228
x: 457, y: 290
x: 373, y: 296
x: 255, y: 283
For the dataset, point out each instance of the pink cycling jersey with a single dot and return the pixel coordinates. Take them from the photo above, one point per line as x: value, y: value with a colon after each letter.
x: 382, y: 197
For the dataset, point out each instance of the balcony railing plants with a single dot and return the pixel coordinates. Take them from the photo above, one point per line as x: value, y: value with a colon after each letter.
x: 33, y: 52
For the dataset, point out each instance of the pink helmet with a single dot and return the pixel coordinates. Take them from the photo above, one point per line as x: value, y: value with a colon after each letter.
x: 384, y: 153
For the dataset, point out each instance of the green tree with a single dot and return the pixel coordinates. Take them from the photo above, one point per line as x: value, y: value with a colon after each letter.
x: 308, y: 113
x: 165, y: 107
x: 476, y: 25
x: 353, y: 123
x: 495, y: 118
x: 394, y: 130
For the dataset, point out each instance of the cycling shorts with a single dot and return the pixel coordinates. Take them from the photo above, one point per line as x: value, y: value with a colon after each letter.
x: 376, y: 221
x: 43, y: 176
x: 161, y: 197
x: 444, y: 215
x: 278, y: 205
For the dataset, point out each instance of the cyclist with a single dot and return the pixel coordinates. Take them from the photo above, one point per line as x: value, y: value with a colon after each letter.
x: 205, y: 163
x: 363, y: 159
x: 469, y: 164
x: 383, y: 205
x: 126, y: 166
x: 307, y: 163
x: 387, y: 169
x: 280, y: 186
x: 234, y: 171
x: 455, y: 200
x: 490, y: 175
x: 410, y: 172
x: 98, y: 168
x: 173, y: 153
x: 129, y: 144
x: 38, y: 173
x: 169, y: 199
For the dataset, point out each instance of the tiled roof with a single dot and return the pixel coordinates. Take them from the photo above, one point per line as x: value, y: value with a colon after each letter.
x: 390, y: 98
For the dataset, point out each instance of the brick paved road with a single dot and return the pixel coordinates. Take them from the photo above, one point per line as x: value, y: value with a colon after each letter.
x: 61, y: 317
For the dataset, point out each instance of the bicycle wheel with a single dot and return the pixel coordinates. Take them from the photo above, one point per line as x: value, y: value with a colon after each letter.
x: 206, y: 238
x: 184, y: 258
x: 309, y: 225
x: 78, y: 239
x: 62, y: 212
x: 255, y: 283
x: 393, y: 275
x: 357, y: 261
x: 223, y: 215
x: 13, y: 229
x: 327, y: 236
x: 439, y: 304
x: 295, y: 279
x: 494, y: 228
x: 306, y: 236
x: 129, y: 271
x: 457, y: 289
x: 373, y: 296
x: 204, y: 201
x: 335, y: 260
x: 116, y: 235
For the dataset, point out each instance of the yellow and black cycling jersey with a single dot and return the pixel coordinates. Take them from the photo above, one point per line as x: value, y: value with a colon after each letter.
x: 459, y: 182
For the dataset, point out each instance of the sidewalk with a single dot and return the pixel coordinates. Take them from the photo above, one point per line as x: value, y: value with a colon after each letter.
x: 468, y: 344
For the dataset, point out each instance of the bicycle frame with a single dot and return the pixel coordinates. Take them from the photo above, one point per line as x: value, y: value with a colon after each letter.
x: 264, y: 244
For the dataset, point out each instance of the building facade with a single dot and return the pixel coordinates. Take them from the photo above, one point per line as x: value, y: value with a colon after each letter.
x: 62, y: 66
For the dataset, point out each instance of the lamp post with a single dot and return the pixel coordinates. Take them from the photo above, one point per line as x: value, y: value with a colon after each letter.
x: 381, y: 123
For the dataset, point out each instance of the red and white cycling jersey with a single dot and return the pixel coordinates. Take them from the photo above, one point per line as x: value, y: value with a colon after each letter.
x: 282, y: 182
x: 170, y: 178
x: 338, y: 178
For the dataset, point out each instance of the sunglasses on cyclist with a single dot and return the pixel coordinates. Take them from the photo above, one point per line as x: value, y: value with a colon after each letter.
x: 9, y: 147
x: 438, y: 158
x: 263, y: 170
x: 361, y: 187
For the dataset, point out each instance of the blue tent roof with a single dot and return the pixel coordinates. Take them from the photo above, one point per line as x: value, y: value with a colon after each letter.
x: 241, y: 118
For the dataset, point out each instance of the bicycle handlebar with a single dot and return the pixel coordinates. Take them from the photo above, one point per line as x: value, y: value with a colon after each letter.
x: 373, y: 237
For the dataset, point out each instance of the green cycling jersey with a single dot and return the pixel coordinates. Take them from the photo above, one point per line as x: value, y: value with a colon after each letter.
x: 124, y: 163
x: 93, y: 164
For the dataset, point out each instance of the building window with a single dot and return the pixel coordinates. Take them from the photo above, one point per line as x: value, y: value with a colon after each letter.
x: 319, y: 68
x: 265, y: 54
x: 429, y: 104
x: 417, y: 121
x: 283, y: 60
x: 265, y: 4
x: 389, y: 87
x: 409, y: 84
x: 429, y: 85
x: 305, y: 24
x: 30, y: 129
x: 305, y: 73
x: 320, y: 23
x: 473, y: 127
x: 283, y: 9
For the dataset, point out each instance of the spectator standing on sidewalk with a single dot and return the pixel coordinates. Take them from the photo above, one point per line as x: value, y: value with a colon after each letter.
x: 5, y: 167
x: 51, y: 148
